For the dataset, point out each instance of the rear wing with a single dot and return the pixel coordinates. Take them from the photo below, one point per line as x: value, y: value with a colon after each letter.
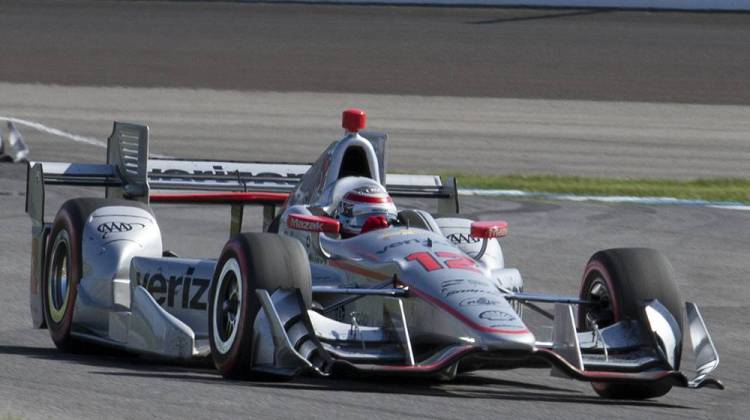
x: 129, y: 173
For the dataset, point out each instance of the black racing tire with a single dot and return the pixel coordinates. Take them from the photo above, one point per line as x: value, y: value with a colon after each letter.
x: 63, y: 267
x: 250, y: 261
x: 623, y: 279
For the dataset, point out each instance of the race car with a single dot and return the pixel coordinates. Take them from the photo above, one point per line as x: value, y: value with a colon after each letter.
x: 340, y: 281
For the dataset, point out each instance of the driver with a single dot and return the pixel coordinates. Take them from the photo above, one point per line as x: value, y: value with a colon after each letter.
x: 364, y: 209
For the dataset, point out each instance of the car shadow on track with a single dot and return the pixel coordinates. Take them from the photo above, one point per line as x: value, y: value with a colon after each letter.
x: 106, y: 357
x: 490, y: 388
x: 463, y: 387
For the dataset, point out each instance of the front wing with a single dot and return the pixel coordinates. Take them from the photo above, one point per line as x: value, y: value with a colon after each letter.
x: 294, y: 345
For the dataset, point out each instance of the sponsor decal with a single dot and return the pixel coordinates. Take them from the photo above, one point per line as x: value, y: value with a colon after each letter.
x: 478, y: 282
x: 506, y: 325
x: 398, y: 244
x: 497, y: 232
x: 305, y: 225
x: 496, y: 315
x: 446, y: 284
x: 455, y: 282
x: 475, y: 291
x: 191, y: 290
x: 369, y: 189
x: 108, y: 228
x: 373, y: 194
x: 218, y: 170
x: 479, y: 301
x: 397, y: 232
x: 460, y: 238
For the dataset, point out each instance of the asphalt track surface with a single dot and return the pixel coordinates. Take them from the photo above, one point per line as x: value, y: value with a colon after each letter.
x: 426, y: 134
x: 511, y: 53
x: 549, y: 241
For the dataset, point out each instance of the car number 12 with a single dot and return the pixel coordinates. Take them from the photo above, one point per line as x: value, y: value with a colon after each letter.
x: 430, y: 262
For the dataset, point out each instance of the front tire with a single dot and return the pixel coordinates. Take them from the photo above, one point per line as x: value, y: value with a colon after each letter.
x: 621, y: 280
x: 250, y: 261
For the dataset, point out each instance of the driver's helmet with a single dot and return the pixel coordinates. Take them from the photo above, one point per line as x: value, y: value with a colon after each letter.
x: 365, y: 208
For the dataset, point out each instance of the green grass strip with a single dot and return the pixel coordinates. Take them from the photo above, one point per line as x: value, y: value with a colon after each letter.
x: 713, y: 189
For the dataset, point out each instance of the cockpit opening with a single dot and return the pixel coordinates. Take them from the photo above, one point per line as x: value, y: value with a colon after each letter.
x: 355, y: 163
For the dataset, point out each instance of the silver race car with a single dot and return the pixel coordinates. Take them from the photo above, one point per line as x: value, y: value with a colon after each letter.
x: 340, y: 281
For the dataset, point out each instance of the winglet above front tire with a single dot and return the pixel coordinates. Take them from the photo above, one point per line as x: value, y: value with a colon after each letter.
x: 706, y: 356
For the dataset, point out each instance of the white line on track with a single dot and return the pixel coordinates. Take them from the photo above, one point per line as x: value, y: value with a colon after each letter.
x: 55, y: 132
x: 731, y: 207
x: 64, y: 134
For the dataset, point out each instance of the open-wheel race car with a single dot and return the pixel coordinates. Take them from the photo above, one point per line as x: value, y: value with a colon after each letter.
x: 340, y: 281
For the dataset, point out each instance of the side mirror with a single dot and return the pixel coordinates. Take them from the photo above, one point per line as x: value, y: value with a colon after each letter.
x: 312, y: 223
x: 489, y: 229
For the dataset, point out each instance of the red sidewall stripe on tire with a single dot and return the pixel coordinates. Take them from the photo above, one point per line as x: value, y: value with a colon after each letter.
x: 61, y: 331
x: 613, y: 297
x: 232, y: 357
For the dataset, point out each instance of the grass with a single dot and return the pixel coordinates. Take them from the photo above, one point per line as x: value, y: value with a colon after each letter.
x: 713, y: 189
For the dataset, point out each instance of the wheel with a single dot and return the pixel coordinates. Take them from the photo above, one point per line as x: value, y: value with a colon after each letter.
x: 64, y: 265
x: 250, y: 261
x: 620, y: 280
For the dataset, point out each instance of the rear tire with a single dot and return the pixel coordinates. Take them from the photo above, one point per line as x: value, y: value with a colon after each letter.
x: 250, y: 261
x: 63, y: 265
x: 622, y: 280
